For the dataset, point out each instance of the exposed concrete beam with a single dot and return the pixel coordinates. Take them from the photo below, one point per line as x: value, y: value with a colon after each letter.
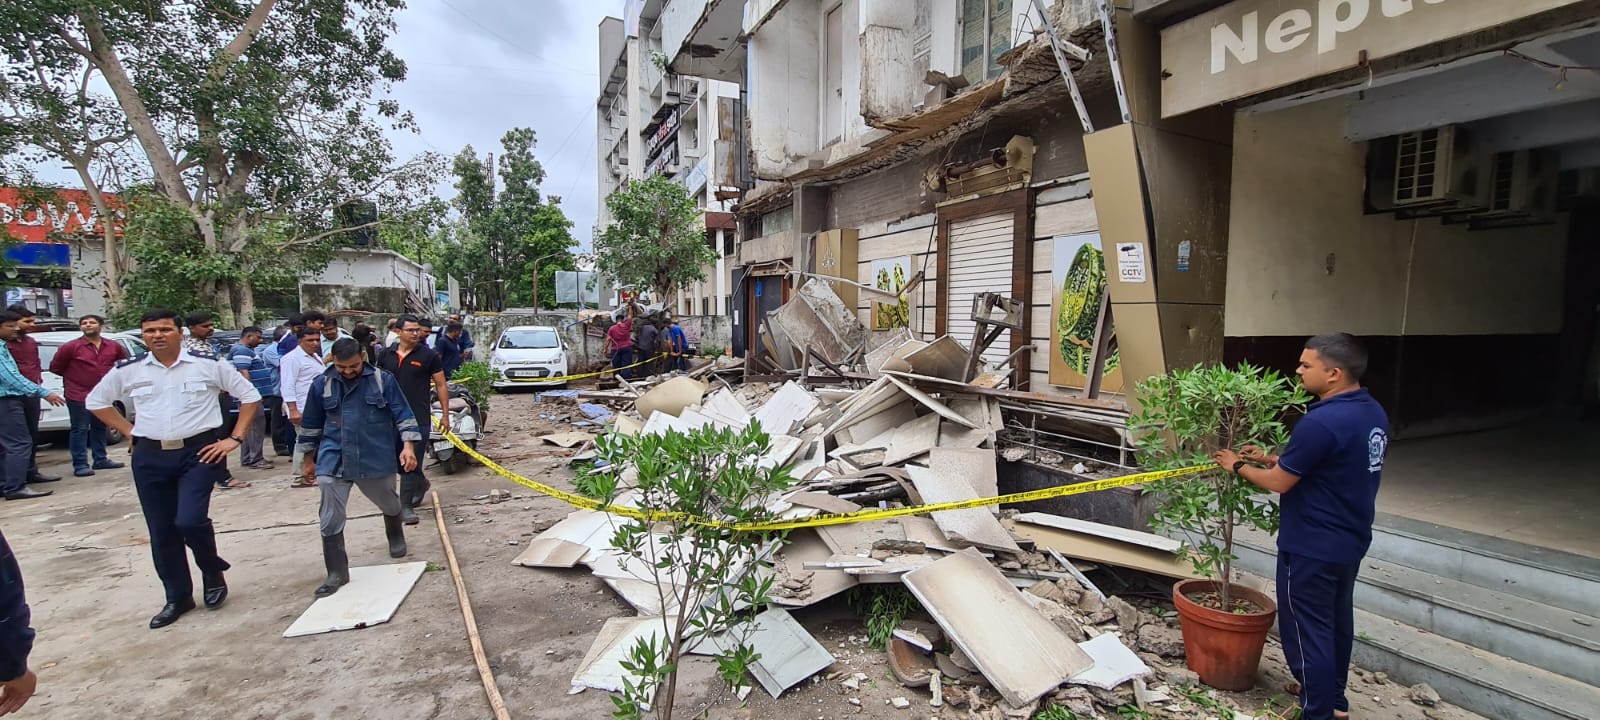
x: 1492, y: 88
x: 1560, y: 125
x: 1580, y: 155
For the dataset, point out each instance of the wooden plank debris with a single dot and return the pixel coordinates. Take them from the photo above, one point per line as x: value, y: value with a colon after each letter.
x: 1022, y: 654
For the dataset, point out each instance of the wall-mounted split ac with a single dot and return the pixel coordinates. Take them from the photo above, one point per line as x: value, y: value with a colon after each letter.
x: 1446, y: 172
x: 1438, y: 168
x: 1522, y: 190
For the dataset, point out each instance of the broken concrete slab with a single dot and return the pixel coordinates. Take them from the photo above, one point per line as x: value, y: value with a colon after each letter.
x: 924, y: 530
x: 911, y: 440
x: 1020, y: 652
x: 822, y: 501
x: 626, y: 425
x: 1114, y: 663
x: 857, y: 538
x: 567, y: 439
x: 912, y: 666
x: 944, y: 358
x: 808, y: 586
x: 783, y: 413
x: 552, y: 553
x: 974, y: 464
x: 932, y: 404
x: 601, y: 667
x: 588, y: 528
x: 1110, y: 532
x: 974, y: 525
x: 671, y: 397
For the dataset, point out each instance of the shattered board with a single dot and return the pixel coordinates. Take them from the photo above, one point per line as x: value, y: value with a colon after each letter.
x: 1022, y: 654
x: 1114, y: 663
x: 788, y: 654
x: 601, y: 667
x: 371, y: 598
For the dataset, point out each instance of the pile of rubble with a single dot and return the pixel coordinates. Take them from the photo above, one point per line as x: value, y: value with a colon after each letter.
x: 1015, y: 623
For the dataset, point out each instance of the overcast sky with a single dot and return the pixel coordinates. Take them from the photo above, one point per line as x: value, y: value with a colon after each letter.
x: 477, y: 68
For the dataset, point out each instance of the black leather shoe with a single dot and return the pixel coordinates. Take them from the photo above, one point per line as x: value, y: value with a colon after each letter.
x: 108, y: 465
x: 216, y: 589
x: 170, y: 613
x: 43, y: 478
x: 28, y: 494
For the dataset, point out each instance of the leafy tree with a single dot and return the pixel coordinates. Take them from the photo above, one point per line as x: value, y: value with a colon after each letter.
x: 708, y: 575
x: 254, y: 118
x: 508, y: 226
x: 657, y: 241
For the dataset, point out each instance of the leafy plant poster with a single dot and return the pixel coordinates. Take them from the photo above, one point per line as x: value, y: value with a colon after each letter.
x: 1078, y: 281
x: 891, y: 275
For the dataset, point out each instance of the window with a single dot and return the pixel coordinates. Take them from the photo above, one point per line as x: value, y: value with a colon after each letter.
x: 833, y: 75
x: 985, y: 36
x: 705, y: 306
x: 775, y: 222
x: 526, y: 339
x: 922, y: 41
x: 727, y: 304
x: 727, y: 242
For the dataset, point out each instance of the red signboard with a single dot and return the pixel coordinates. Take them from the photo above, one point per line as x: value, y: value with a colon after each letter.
x: 34, y: 217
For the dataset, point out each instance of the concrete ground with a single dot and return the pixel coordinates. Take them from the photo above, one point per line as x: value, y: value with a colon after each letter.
x: 84, y: 554
x: 1537, y: 483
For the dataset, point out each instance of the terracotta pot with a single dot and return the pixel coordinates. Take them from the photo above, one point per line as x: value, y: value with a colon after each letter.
x: 1223, y: 648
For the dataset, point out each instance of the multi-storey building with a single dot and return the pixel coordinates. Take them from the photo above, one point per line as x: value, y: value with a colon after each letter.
x: 653, y: 121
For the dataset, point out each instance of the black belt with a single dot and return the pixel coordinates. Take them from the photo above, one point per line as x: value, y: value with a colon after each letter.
x: 204, y: 438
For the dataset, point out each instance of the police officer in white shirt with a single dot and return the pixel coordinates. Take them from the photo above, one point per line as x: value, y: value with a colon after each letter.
x: 172, y: 391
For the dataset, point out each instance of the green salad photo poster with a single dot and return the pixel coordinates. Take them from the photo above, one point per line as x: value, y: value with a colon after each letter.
x: 1078, y: 281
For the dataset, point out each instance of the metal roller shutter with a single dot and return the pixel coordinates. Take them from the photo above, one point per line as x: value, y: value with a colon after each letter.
x: 980, y: 261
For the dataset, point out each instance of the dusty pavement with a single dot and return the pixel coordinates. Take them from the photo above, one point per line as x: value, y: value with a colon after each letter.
x: 84, y: 554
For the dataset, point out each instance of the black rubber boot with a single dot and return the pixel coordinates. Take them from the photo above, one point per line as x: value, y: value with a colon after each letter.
x: 338, y: 564
x: 397, y: 535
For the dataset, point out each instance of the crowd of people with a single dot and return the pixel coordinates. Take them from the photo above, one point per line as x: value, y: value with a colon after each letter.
x: 643, y: 345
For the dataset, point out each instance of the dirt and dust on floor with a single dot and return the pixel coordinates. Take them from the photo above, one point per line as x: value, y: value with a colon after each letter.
x: 977, y: 612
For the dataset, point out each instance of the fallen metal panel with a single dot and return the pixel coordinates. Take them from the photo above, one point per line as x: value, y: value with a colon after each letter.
x: 1109, y: 532
x: 1022, y: 654
x: 974, y: 525
x: 372, y: 597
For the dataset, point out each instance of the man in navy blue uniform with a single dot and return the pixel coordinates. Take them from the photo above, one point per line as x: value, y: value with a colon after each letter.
x: 357, y: 431
x: 178, y: 441
x: 1328, y: 478
x: 17, y: 682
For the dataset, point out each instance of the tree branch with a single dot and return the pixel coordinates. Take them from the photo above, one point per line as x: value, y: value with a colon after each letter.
x: 241, y: 42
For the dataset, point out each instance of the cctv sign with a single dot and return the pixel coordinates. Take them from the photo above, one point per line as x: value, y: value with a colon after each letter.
x: 1249, y: 46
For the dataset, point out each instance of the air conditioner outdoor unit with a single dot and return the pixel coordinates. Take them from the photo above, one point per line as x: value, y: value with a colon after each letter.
x: 1438, y: 167
x: 1522, y: 189
x: 1578, y: 188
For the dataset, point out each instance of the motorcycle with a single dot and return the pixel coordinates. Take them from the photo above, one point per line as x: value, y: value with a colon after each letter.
x: 466, y: 421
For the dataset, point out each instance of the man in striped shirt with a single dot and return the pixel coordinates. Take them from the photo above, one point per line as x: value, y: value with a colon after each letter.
x: 16, y: 443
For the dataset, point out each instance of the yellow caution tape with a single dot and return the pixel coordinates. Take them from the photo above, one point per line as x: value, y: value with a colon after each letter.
x: 588, y: 503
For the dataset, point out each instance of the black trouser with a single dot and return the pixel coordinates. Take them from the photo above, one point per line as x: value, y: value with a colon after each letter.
x: 175, y: 493
x: 282, y: 443
x: 414, y: 485
x: 220, y: 473
x: 15, y: 446
x: 32, y: 407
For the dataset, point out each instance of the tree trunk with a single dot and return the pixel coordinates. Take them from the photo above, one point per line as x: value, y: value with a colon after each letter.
x: 110, y: 262
x: 169, y: 180
x: 246, y: 301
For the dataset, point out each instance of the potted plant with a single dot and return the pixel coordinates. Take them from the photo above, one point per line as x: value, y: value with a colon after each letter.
x: 1185, y: 416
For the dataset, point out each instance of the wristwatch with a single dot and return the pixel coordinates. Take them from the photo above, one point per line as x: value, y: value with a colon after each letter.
x: 1239, y: 466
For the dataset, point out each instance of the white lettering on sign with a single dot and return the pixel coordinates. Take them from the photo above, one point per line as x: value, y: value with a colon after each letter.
x: 1292, y: 28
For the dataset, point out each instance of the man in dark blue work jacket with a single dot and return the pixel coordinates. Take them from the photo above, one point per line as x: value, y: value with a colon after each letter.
x: 1328, y: 478
x: 17, y: 682
x: 355, y: 425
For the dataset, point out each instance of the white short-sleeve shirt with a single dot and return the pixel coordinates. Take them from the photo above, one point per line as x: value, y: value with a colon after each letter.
x: 172, y: 403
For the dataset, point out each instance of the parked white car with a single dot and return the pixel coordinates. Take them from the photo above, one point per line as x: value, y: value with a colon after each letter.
x: 55, y: 419
x: 527, y: 354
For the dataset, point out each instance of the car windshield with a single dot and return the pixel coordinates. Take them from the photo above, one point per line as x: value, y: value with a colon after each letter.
x: 529, y: 340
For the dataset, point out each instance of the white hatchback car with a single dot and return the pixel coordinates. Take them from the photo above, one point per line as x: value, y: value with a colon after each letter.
x: 526, y: 355
x: 55, y: 419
